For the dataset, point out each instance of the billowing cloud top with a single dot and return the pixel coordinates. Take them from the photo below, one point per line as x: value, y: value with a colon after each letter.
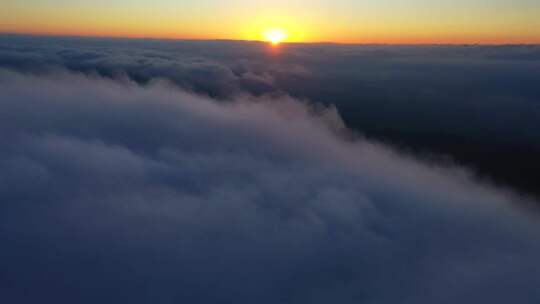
x: 479, y: 105
x: 114, y: 192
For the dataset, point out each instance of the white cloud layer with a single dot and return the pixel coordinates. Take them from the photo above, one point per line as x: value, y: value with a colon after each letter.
x: 115, y: 192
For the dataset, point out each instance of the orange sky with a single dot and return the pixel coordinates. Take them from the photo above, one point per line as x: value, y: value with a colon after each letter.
x: 346, y: 21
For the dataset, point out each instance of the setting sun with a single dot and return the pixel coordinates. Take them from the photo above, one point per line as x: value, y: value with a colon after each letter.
x: 275, y: 36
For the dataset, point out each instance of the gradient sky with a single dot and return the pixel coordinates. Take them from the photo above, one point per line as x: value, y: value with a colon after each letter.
x: 391, y: 21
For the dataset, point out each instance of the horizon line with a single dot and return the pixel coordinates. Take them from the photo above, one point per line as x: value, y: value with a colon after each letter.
x: 115, y: 37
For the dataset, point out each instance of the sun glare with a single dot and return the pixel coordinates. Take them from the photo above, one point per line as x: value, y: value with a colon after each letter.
x: 275, y: 36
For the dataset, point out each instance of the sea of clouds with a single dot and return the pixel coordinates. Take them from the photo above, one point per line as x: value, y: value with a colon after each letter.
x: 477, y: 105
x: 113, y: 191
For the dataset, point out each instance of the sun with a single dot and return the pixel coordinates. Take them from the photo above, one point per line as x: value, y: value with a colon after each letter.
x: 275, y: 35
